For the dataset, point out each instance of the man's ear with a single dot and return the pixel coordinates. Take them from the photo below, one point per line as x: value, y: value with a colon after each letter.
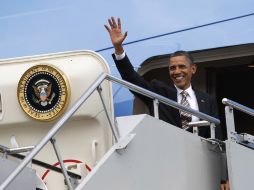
x: 193, y: 68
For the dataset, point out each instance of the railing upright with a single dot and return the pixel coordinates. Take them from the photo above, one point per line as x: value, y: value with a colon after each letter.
x: 229, y: 114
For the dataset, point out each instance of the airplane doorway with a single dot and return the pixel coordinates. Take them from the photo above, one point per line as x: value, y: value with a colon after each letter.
x: 224, y: 72
x: 235, y: 83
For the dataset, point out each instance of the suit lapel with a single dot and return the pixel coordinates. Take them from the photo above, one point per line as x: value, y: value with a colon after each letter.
x: 201, y: 102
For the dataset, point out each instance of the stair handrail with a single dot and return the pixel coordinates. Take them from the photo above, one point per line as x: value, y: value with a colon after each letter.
x: 163, y: 99
x: 230, y: 105
x: 94, y: 86
x: 238, y: 106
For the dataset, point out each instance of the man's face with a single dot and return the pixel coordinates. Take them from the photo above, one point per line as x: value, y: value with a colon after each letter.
x: 181, y: 71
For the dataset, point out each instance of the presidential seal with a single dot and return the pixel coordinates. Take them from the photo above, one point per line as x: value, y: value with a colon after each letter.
x: 43, y: 92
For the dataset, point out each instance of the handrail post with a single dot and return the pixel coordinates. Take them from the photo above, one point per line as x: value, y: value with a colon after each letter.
x: 5, y: 154
x: 212, y: 130
x: 230, y: 122
x: 197, y: 124
x: 112, y: 126
x: 53, y: 142
x: 156, y: 108
x: 229, y: 114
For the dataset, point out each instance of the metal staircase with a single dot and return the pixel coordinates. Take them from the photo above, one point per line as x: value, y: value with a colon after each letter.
x: 152, y: 154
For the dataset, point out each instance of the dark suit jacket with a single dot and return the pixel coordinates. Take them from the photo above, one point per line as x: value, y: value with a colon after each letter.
x: 169, y: 114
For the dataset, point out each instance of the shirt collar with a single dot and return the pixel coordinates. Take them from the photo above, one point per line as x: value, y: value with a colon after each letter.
x: 189, y: 90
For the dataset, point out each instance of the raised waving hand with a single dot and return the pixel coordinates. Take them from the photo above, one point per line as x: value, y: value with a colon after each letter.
x: 116, y: 35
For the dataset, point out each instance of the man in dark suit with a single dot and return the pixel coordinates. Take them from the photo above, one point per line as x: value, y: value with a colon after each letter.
x: 181, y: 70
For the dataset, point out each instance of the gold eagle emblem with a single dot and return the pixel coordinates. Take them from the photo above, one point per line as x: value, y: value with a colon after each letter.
x: 42, y: 90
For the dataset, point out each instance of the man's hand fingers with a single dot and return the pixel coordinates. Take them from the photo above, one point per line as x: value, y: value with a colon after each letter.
x: 125, y: 35
x: 110, y: 23
x: 107, y: 28
x: 119, y: 23
x: 114, y: 22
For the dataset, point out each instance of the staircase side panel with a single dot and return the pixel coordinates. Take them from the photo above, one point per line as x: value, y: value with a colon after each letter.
x: 160, y: 156
x: 240, y: 166
x: 25, y: 180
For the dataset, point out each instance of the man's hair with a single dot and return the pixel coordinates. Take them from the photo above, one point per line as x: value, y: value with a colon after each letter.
x: 183, y: 53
